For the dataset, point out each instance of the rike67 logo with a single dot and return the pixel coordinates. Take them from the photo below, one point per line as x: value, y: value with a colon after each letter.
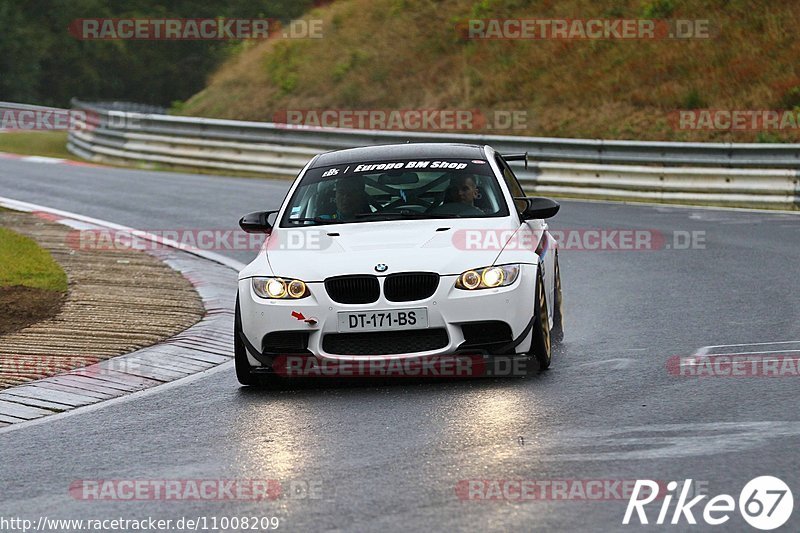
x: 765, y: 503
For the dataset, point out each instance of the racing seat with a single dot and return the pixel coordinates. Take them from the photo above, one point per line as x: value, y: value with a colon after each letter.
x: 482, y: 202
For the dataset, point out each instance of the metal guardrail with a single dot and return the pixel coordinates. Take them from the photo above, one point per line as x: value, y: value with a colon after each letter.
x: 26, y: 107
x: 109, y: 106
x: 130, y: 107
x: 751, y: 175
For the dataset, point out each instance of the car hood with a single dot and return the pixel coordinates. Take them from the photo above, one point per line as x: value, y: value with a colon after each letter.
x: 316, y: 253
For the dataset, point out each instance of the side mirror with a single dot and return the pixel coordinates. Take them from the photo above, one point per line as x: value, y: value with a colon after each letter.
x: 538, y: 207
x: 256, y: 222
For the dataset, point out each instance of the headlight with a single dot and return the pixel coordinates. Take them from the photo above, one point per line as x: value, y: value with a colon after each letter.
x: 279, y: 288
x: 488, y: 277
x: 296, y: 288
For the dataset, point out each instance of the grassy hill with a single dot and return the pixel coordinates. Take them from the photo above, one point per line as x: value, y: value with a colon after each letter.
x: 407, y: 54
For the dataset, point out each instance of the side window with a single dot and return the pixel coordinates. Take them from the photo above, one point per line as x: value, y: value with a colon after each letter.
x: 512, y: 184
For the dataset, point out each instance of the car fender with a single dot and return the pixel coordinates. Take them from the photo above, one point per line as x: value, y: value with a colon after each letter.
x: 533, y: 244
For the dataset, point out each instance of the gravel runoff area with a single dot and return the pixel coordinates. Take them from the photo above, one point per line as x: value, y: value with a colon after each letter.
x: 118, y: 301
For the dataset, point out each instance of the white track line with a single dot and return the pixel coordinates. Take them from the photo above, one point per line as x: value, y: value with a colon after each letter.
x: 120, y: 399
x: 211, y: 256
x: 705, y: 349
x: 699, y: 363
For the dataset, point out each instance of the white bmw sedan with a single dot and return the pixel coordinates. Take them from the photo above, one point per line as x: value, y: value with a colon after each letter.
x: 399, y: 252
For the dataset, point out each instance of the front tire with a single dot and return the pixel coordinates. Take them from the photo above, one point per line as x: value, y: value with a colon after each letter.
x: 541, y: 345
x: 557, y: 332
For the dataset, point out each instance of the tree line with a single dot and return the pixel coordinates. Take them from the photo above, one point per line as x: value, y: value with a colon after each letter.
x: 41, y: 62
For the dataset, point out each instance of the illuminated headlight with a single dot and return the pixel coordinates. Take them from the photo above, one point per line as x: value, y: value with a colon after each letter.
x: 488, y: 277
x: 296, y: 288
x: 279, y: 288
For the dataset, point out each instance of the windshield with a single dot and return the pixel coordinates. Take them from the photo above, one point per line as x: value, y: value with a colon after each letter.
x: 397, y: 189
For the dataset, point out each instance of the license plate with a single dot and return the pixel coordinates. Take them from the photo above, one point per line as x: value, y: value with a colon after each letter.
x: 383, y: 320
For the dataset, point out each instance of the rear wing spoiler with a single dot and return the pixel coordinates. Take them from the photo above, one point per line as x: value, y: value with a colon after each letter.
x: 517, y: 157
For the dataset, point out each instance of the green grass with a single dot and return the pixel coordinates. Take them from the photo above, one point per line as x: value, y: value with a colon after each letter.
x: 54, y: 144
x: 24, y: 263
x: 413, y: 57
x: 43, y: 143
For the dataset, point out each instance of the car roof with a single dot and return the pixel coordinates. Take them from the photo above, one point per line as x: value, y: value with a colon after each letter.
x: 400, y: 151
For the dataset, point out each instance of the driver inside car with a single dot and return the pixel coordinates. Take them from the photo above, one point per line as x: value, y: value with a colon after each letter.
x: 460, y: 197
x: 351, y: 198
x: 462, y: 189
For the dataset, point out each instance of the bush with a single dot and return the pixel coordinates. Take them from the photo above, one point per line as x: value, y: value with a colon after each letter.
x: 658, y: 9
x: 791, y: 98
x: 693, y: 100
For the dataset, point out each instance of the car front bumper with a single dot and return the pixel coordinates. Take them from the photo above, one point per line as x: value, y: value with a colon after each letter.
x: 448, y: 309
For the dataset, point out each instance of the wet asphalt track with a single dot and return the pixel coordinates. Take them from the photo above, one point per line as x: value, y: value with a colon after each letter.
x: 389, y: 457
